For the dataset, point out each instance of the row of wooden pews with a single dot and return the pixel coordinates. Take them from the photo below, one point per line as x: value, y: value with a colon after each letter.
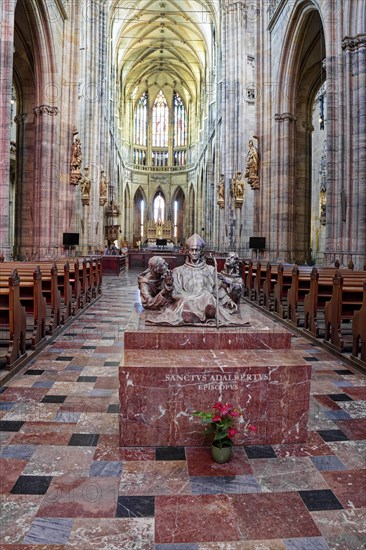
x: 326, y: 302
x: 36, y: 298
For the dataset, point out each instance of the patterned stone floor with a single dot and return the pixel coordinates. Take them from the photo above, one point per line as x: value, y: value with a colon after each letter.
x: 65, y: 483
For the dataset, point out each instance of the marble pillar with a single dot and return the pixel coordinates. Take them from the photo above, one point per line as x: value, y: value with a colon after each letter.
x: 7, y: 9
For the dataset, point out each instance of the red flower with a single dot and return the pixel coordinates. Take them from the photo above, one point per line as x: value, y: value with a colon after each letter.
x: 232, y: 432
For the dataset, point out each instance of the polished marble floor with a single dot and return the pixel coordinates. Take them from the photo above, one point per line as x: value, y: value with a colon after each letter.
x: 65, y: 483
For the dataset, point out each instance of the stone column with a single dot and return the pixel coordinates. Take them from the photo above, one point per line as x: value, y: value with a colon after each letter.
x: 234, y: 115
x: 7, y: 8
x: 94, y: 109
x: 85, y: 228
x: 46, y: 204
x: 23, y: 238
x: 354, y: 210
x: 283, y: 187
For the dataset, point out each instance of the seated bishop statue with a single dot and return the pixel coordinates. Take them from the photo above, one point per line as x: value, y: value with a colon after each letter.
x: 191, y: 294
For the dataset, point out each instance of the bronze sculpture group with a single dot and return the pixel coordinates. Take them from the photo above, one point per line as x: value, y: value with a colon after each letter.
x: 193, y: 293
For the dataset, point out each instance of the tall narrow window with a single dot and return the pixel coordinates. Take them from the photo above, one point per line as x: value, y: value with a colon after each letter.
x: 141, y: 121
x: 159, y: 209
x: 142, y: 210
x: 160, y: 121
x: 180, y: 122
x: 175, y: 219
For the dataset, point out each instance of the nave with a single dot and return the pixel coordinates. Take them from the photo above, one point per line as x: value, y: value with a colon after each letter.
x: 66, y: 483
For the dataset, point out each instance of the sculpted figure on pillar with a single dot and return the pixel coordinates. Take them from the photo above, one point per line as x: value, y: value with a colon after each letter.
x: 197, y: 295
x: 85, y: 185
x: 76, y: 160
x: 221, y: 191
x: 103, y: 190
x: 252, y: 168
x: 237, y: 188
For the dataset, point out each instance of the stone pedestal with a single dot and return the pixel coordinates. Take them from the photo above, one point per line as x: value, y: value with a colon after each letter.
x: 166, y: 374
x: 263, y: 333
x: 159, y: 392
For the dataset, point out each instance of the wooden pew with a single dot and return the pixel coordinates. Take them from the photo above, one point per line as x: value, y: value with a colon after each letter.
x: 63, y: 284
x: 320, y: 292
x: 95, y: 278
x: 84, y: 282
x: 50, y: 289
x: 280, y: 289
x: 249, y: 279
x: 31, y: 297
x: 268, y: 285
x: 300, y: 286
x: 259, y: 278
x: 359, y: 330
x: 347, y: 297
x: 13, y: 321
x: 91, y: 276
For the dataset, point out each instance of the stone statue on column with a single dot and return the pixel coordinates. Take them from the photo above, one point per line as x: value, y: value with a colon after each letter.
x: 252, y: 167
x: 85, y: 186
x: 103, y: 190
x: 221, y: 191
x: 237, y: 188
x: 76, y: 160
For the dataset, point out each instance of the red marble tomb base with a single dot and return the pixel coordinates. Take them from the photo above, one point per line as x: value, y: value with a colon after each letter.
x: 159, y: 391
x: 263, y: 333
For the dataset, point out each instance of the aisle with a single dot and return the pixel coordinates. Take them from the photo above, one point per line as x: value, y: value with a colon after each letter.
x: 66, y: 483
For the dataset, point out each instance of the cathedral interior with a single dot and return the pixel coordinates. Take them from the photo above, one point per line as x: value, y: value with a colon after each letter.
x: 132, y: 125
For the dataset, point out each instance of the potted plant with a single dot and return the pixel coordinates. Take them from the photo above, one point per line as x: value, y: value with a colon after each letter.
x: 221, y: 423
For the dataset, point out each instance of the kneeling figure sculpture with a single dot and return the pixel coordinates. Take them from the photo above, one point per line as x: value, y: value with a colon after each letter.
x: 193, y: 294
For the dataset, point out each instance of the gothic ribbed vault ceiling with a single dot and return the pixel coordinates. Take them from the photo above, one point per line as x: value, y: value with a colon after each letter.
x: 161, y: 43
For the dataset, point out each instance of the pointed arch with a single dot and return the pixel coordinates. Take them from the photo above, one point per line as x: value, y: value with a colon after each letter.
x: 126, y: 213
x: 178, y: 209
x: 139, y: 215
x: 159, y: 206
x: 191, y: 210
x: 301, y: 74
x: 160, y: 121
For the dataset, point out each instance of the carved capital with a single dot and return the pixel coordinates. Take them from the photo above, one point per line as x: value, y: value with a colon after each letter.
x: 20, y: 118
x: 45, y: 110
x: 308, y: 127
x: 354, y: 43
x: 221, y: 203
x: 102, y: 201
x: 288, y: 117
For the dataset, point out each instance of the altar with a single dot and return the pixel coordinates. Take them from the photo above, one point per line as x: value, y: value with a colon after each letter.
x: 159, y: 230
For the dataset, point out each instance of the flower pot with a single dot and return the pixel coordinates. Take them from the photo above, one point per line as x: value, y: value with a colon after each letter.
x: 220, y: 455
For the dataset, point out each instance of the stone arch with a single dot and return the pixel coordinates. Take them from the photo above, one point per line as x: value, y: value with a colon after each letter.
x: 179, y: 197
x: 191, y: 211
x: 38, y: 170
x: 139, y: 217
x: 300, y: 77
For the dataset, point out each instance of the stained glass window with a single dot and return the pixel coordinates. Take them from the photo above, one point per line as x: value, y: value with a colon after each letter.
x: 160, y: 121
x: 180, y: 122
x: 175, y: 219
x: 142, y: 212
x: 159, y: 209
x: 141, y: 121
